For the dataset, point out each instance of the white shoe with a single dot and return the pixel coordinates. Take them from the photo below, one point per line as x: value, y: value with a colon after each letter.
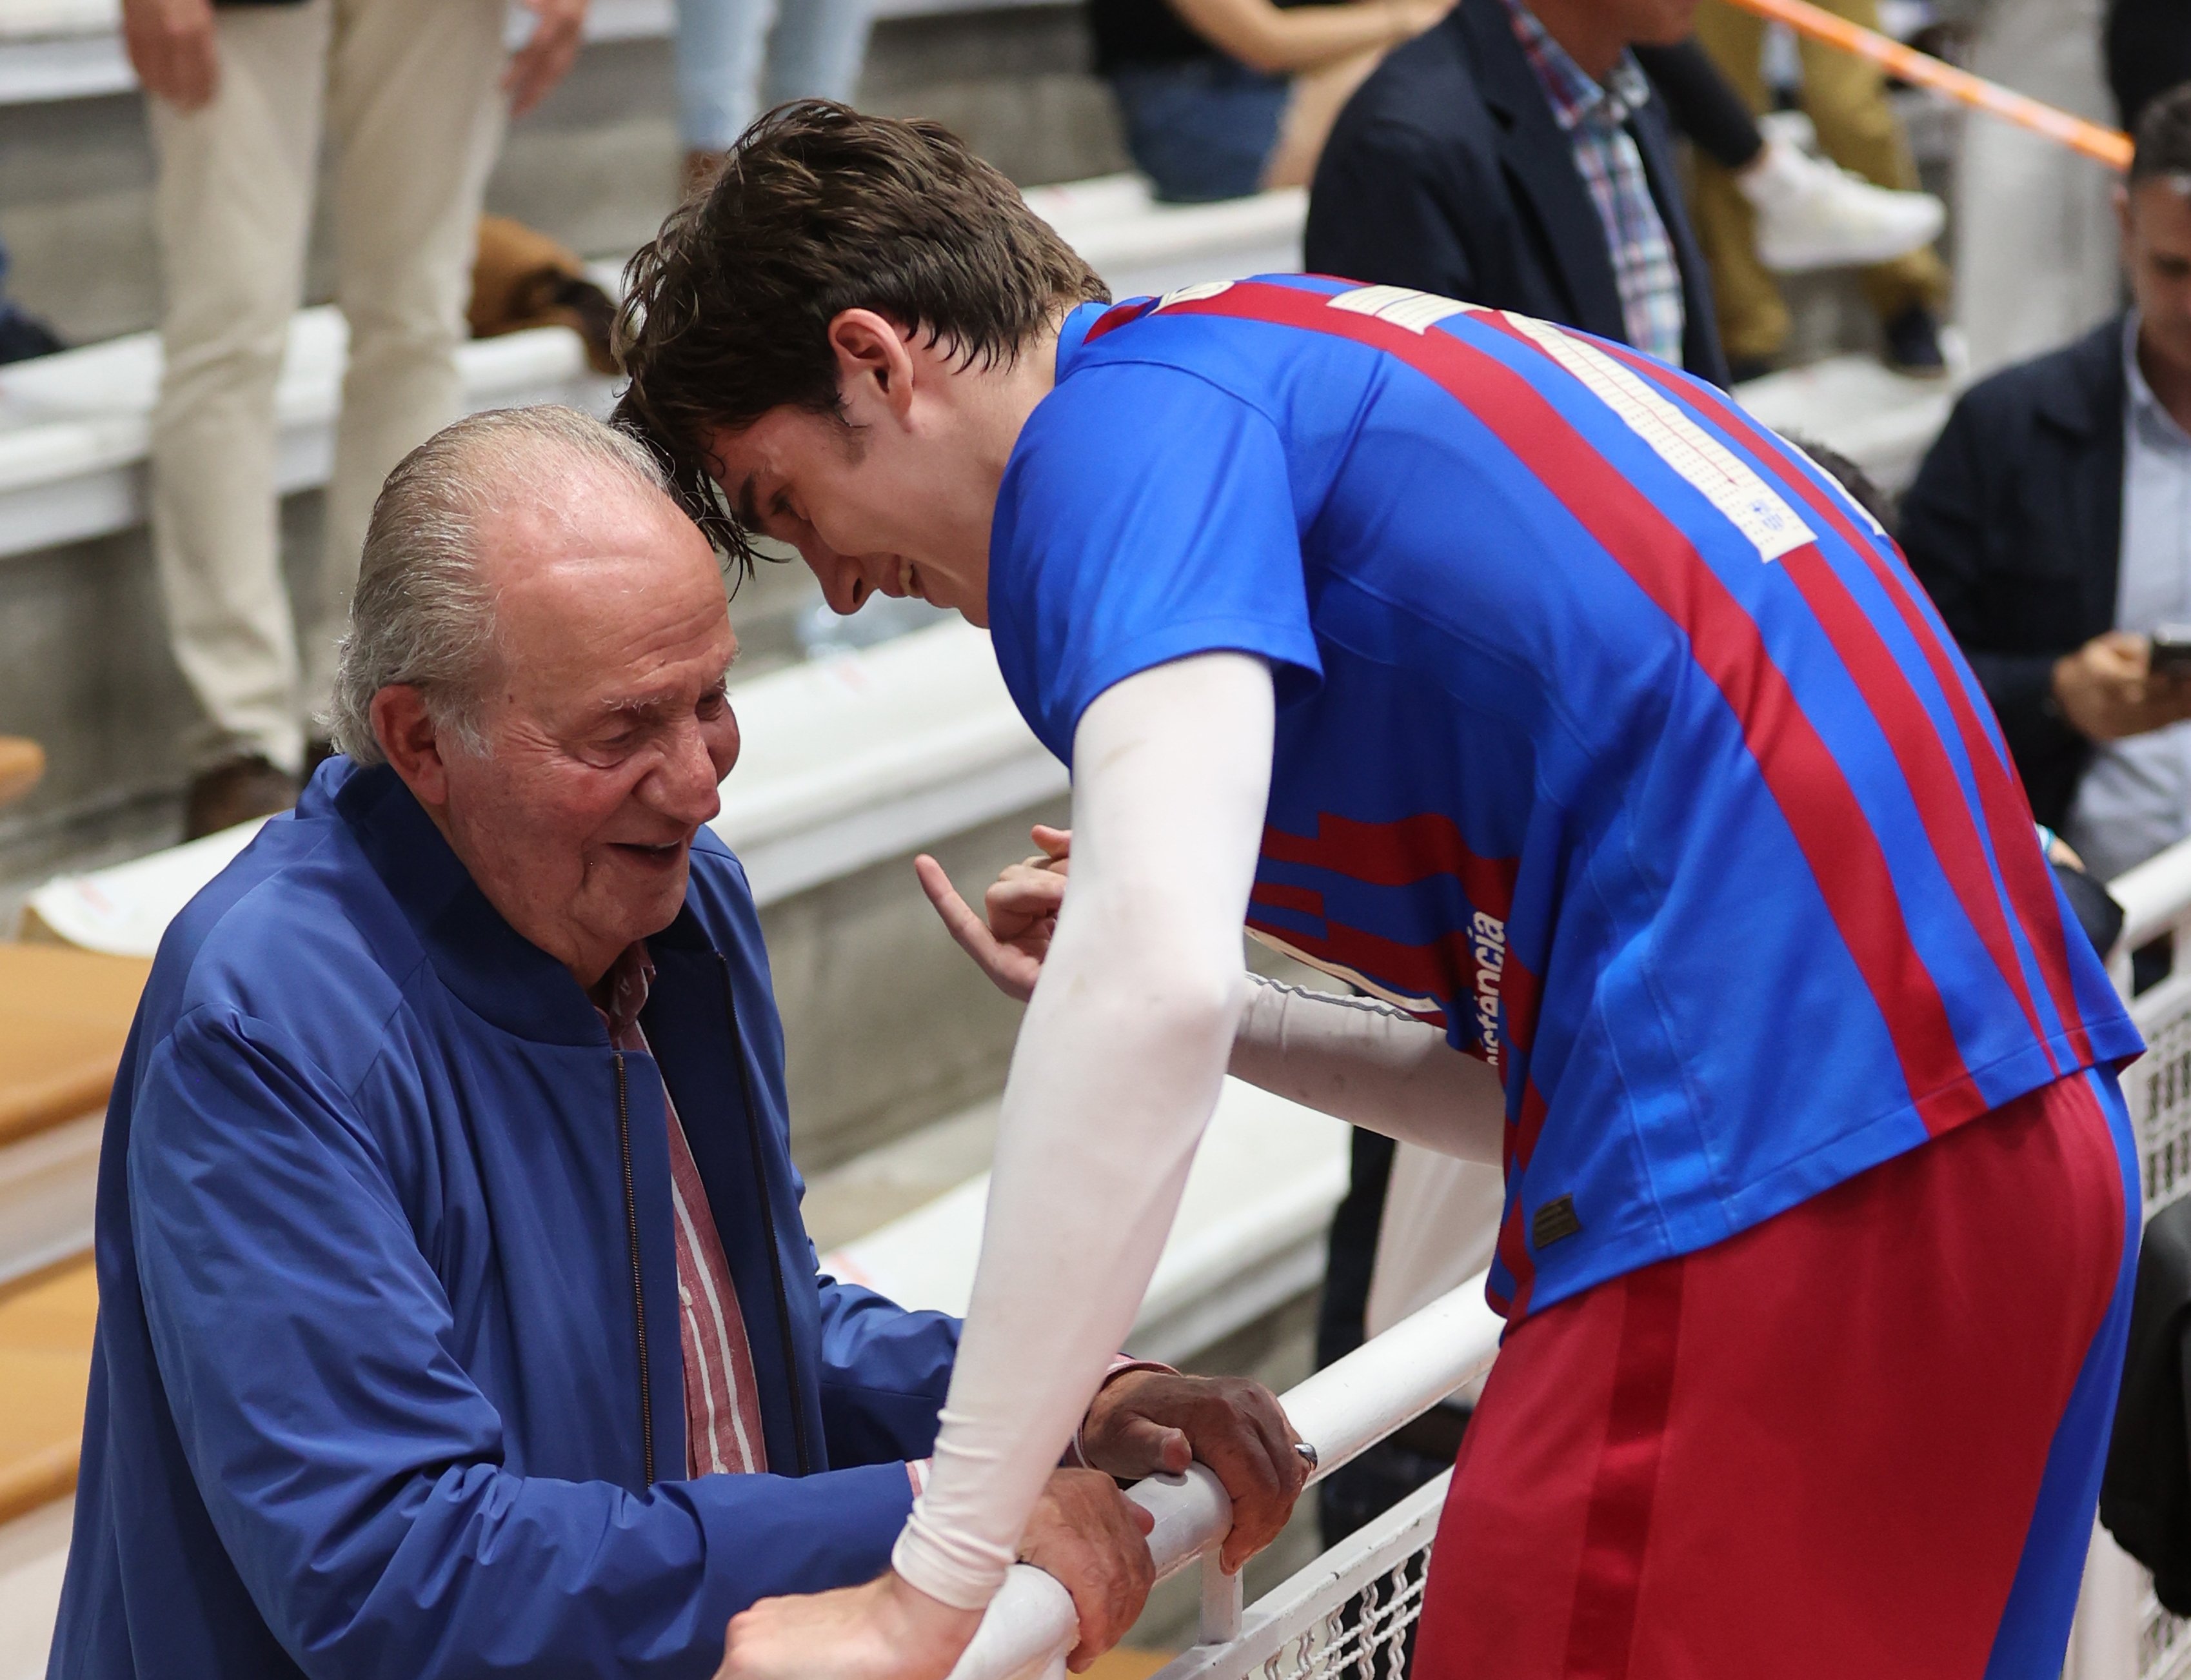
x: 1811, y: 215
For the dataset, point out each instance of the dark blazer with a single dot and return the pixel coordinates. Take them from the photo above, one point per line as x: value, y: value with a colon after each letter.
x: 2014, y: 525
x: 1448, y: 172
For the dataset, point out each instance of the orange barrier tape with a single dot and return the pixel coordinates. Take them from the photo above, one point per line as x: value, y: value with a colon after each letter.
x: 2110, y: 146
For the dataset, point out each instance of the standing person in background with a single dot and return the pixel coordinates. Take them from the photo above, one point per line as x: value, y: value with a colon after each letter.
x: 1223, y: 98
x: 2148, y: 51
x: 1515, y: 156
x: 2052, y: 524
x: 2034, y: 234
x: 413, y: 93
x: 1846, y: 99
x: 738, y: 58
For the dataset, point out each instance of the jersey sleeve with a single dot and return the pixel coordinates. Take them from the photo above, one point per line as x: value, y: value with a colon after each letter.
x: 1145, y: 516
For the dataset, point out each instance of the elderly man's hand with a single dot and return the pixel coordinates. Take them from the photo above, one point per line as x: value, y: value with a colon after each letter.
x: 884, y: 1630
x: 1082, y: 1531
x: 1142, y: 1422
x: 1095, y: 1542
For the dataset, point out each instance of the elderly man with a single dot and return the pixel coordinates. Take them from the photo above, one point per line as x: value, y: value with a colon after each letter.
x: 449, y: 1242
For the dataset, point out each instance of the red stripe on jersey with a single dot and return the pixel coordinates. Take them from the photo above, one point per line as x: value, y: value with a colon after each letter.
x: 1278, y: 896
x: 1117, y: 315
x: 1399, y: 854
x: 2001, y: 799
x: 1847, y: 861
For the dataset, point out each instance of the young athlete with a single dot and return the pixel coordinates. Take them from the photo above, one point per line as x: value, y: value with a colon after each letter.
x: 1532, y: 688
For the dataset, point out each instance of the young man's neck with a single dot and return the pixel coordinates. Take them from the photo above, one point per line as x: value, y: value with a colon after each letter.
x: 1581, y: 28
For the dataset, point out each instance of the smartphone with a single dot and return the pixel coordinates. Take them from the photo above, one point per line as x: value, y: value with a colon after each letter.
x: 2172, y: 651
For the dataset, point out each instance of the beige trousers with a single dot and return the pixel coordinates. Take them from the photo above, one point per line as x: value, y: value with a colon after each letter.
x: 1845, y: 99
x: 406, y: 92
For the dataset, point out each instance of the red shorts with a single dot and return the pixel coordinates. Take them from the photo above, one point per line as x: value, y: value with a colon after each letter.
x: 1862, y: 1438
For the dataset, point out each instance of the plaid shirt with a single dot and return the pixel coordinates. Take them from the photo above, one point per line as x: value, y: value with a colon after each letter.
x: 1594, y: 117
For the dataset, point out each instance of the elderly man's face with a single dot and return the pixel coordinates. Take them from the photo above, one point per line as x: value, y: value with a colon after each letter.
x: 607, y: 726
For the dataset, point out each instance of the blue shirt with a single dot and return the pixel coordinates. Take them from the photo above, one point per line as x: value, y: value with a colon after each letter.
x: 1612, y: 736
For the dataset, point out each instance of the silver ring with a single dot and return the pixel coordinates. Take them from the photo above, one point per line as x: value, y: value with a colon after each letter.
x: 1307, y: 1453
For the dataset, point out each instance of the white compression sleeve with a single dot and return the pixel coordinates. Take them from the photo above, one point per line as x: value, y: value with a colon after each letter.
x: 1371, y: 1065
x: 1119, y: 1064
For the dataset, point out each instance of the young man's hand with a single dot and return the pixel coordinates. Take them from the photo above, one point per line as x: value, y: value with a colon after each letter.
x: 1094, y: 1540
x: 1143, y: 1421
x: 1022, y: 912
x: 172, y: 49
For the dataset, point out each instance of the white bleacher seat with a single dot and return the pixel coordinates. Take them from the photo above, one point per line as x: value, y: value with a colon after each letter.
x: 847, y: 760
x: 66, y: 49
x: 1248, y: 1238
x: 1142, y: 247
x: 73, y: 426
x: 1880, y: 419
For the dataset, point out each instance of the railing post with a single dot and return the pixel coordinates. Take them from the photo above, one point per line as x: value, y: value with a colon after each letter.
x: 1224, y: 1600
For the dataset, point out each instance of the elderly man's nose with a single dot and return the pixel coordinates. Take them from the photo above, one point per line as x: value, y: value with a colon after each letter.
x: 684, y: 784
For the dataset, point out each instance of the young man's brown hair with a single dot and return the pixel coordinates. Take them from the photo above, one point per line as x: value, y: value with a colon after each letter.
x: 820, y: 209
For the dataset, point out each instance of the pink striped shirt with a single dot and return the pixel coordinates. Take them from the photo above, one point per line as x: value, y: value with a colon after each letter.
x: 722, y: 1396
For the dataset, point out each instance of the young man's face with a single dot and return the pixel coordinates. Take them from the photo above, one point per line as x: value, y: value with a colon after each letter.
x: 851, y: 505
x: 895, y: 492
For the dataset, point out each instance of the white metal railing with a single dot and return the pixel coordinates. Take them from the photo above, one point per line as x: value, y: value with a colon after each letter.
x: 2123, y: 1633
x: 1341, y: 1411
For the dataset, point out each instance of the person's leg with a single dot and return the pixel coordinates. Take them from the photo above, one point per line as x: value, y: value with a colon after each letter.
x: 1845, y: 99
x: 1704, y: 105
x: 1202, y: 131
x: 720, y: 44
x: 817, y: 52
x: 416, y: 117
x: 231, y: 209
x: 1862, y: 1437
x: 1316, y: 97
x: 1753, y: 321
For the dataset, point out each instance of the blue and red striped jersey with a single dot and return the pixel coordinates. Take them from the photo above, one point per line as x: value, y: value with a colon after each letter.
x: 1612, y: 736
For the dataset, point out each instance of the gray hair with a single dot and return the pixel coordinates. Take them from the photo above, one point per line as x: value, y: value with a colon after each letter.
x: 421, y: 612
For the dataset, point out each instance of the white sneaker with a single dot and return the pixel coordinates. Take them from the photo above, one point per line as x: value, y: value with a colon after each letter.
x: 1812, y: 215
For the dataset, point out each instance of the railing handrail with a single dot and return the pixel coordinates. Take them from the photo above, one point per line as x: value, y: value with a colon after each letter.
x: 1341, y: 1411
x: 2155, y: 895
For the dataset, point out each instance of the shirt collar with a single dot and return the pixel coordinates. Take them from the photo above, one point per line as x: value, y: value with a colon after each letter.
x: 1575, y: 97
x: 2145, y: 411
x: 625, y: 987
x: 1073, y: 332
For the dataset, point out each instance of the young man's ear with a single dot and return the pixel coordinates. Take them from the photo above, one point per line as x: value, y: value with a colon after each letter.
x: 874, y: 366
x: 408, y: 735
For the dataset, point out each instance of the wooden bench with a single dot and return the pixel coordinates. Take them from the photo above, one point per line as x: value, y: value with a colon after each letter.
x: 64, y: 1016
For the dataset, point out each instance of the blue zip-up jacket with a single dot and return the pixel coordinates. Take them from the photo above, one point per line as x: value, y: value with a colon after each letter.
x: 388, y: 1379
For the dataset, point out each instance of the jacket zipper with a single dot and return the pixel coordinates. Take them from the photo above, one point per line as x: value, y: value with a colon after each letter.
x: 638, y: 1294
x: 767, y: 1218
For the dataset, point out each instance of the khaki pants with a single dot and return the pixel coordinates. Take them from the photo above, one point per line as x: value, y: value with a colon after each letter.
x: 1845, y: 99
x: 406, y: 90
